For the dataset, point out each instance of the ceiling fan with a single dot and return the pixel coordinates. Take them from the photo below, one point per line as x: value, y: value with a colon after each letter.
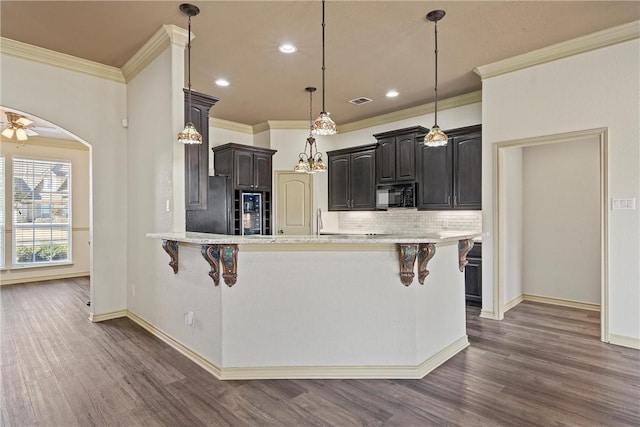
x: 17, y: 125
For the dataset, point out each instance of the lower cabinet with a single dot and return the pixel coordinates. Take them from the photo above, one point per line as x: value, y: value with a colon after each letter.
x: 473, y: 276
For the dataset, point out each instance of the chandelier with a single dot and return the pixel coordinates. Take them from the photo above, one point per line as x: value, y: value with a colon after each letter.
x: 323, y: 125
x: 190, y: 134
x: 310, y: 161
x: 436, y: 137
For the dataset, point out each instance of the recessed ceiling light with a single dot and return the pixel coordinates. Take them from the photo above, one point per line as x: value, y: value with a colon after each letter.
x: 222, y: 82
x: 392, y: 94
x: 287, y: 48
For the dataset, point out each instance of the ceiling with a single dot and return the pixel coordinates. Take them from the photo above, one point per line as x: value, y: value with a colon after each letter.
x: 371, y: 46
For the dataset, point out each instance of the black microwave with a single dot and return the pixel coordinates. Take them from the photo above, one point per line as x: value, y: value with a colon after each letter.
x: 396, y: 196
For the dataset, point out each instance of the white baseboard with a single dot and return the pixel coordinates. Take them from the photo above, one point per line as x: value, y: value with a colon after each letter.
x: 107, y: 316
x: 43, y: 278
x: 486, y: 314
x: 197, y: 358
x: 307, y: 372
x: 561, y: 302
x: 347, y: 372
x: 517, y: 300
x: 623, y: 341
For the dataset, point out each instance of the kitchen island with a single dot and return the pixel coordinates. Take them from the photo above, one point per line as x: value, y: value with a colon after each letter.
x: 329, y: 306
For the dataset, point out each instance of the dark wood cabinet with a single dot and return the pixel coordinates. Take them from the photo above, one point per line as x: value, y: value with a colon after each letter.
x: 250, y: 171
x: 473, y: 276
x: 196, y: 156
x: 450, y: 177
x: 396, y: 155
x: 352, y: 178
x: 249, y: 167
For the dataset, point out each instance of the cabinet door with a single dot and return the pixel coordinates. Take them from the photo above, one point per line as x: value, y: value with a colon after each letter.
x: 435, y: 182
x: 262, y: 171
x: 467, y: 166
x: 339, y: 182
x: 405, y: 158
x: 386, y: 161
x: 473, y: 280
x: 243, y: 169
x: 196, y: 158
x: 363, y: 180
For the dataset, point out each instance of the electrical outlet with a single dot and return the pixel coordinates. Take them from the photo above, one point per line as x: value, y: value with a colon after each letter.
x: 189, y: 318
x: 617, y: 204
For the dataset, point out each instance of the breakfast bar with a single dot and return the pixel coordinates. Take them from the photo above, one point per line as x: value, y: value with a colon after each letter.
x: 328, y: 306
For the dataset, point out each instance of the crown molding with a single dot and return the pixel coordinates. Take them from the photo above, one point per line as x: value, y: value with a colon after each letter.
x: 229, y: 125
x: 561, y: 50
x: 407, y: 113
x: 165, y: 36
x: 61, y: 60
x: 288, y: 124
x: 444, y: 104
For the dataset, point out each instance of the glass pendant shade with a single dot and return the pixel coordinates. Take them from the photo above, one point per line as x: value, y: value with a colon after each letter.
x: 319, y: 166
x: 435, y: 137
x: 323, y: 125
x: 302, y: 166
x: 190, y: 135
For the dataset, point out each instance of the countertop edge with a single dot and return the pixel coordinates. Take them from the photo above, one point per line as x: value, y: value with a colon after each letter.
x: 214, y: 239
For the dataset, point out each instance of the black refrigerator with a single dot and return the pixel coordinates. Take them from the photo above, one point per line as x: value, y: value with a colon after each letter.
x: 230, y: 211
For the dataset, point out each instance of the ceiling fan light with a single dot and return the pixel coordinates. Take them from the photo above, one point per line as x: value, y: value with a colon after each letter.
x: 323, y: 125
x: 435, y: 137
x: 8, y: 132
x: 190, y: 135
x: 21, y: 134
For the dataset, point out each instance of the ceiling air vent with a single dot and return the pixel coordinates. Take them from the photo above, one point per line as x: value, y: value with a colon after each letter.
x: 361, y: 100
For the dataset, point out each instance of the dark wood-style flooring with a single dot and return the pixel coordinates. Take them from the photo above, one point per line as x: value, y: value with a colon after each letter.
x: 543, y: 365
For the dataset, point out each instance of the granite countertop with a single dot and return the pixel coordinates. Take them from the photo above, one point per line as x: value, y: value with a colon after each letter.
x: 444, y: 236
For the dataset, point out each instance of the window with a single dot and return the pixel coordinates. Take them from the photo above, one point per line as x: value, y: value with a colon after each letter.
x: 41, y: 212
x: 1, y: 212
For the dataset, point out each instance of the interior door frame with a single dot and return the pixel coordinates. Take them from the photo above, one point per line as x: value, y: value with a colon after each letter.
x: 276, y: 189
x: 499, y: 217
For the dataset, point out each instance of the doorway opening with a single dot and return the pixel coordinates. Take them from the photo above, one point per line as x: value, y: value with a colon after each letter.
x: 507, y: 261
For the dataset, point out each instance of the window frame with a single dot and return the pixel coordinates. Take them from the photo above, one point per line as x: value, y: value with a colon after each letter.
x: 46, y: 225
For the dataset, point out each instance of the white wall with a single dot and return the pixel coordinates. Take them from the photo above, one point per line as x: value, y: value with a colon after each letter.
x: 78, y: 155
x: 562, y: 216
x: 90, y: 108
x: 513, y: 224
x: 596, y: 89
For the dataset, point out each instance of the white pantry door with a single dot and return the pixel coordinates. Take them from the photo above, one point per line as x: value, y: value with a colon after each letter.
x: 293, y: 205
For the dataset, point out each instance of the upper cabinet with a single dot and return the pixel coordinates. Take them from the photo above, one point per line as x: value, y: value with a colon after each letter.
x: 196, y: 156
x: 352, y: 178
x: 450, y: 177
x: 396, y: 155
x: 249, y: 167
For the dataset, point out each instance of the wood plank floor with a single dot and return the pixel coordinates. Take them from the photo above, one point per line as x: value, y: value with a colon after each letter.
x: 543, y: 365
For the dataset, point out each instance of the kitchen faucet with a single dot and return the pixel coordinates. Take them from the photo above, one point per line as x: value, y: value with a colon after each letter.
x: 318, y: 221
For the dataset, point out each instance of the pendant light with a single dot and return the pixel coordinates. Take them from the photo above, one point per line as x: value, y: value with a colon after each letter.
x: 311, y: 161
x: 323, y: 125
x: 435, y: 137
x: 190, y: 134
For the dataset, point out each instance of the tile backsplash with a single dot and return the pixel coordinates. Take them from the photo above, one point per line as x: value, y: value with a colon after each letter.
x: 398, y: 221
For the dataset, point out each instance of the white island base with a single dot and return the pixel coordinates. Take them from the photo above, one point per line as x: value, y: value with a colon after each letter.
x: 317, y: 310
